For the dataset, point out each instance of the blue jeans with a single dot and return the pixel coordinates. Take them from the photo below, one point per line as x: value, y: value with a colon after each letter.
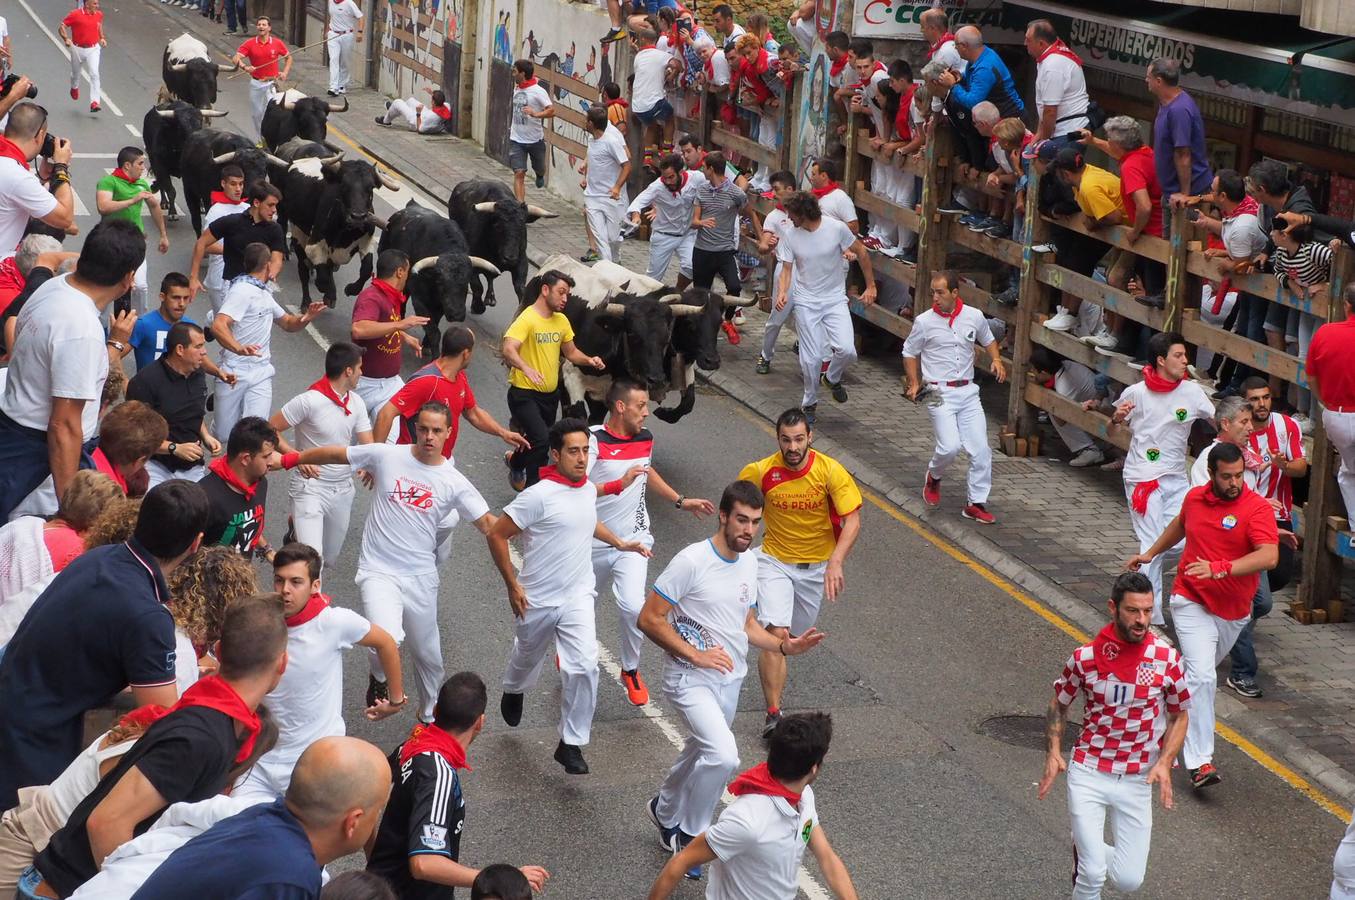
x: 23, y: 463
x: 235, y: 9
x: 28, y: 884
x: 1250, y: 324
x: 1244, y: 652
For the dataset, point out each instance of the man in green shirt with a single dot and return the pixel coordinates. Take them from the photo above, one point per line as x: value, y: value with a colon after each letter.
x: 121, y: 195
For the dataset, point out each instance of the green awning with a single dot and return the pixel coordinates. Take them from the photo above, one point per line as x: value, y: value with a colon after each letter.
x: 1265, y: 60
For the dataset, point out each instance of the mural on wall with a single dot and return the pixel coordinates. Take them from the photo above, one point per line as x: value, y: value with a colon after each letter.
x: 426, y: 48
x: 596, y: 71
x: 815, y: 98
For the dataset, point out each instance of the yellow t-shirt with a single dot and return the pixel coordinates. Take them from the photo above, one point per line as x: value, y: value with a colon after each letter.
x: 542, y: 340
x: 1099, y: 194
x: 803, y: 508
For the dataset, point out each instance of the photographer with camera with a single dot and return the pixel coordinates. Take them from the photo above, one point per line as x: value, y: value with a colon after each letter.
x: 22, y: 193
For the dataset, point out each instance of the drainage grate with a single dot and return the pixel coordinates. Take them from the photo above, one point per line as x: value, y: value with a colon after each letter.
x: 1025, y: 731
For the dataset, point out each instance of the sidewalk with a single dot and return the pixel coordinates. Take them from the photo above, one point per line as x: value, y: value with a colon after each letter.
x: 1062, y: 533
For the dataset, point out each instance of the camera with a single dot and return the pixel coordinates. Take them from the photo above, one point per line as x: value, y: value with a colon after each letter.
x: 8, y: 85
x: 48, y: 146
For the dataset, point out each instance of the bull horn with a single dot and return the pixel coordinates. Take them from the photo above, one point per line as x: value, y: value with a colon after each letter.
x: 731, y: 300
x: 422, y: 264
x: 288, y: 103
x: 387, y: 182
x: 178, y: 67
x: 328, y: 161
x: 224, y: 158
x: 165, y: 113
x: 276, y: 160
x: 484, y: 265
x: 534, y: 210
x: 485, y: 207
x: 221, y: 67
x: 686, y: 309
x: 374, y: 219
x: 344, y: 108
x: 615, y: 309
x: 671, y: 298
x: 214, y: 113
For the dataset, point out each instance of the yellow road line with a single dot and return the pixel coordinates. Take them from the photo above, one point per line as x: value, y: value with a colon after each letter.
x: 1261, y: 757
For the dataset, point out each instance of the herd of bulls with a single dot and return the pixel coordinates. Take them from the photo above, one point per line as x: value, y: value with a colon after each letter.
x: 640, y: 327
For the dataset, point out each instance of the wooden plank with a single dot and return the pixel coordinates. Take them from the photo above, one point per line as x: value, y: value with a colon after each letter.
x: 983, y: 301
x: 434, y: 47
x: 572, y: 116
x: 570, y: 146
x: 1147, y: 246
x: 1103, y: 295
x: 1094, y: 423
x: 1070, y: 347
x: 1243, y: 351
x: 899, y: 271
x: 567, y: 83
x: 407, y: 13
x: 1003, y: 249
x: 1341, y: 543
x: 1266, y: 286
x: 900, y: 215
x: 410, y: 63
x: 882, y: 318
x: 727, y: 140
x: 933, y: 234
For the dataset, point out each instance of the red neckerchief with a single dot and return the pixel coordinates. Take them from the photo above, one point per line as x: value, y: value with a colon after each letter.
x: 11, y: 150
x: 835, y: 67
x: 820, y: 193
x: 143, y: 717
x: 389, y: 291
x: 680, y: 186
x: 879, y: 67
x: 1158, y: 384
x: 443, y: 112
x: 1114, y: 656
x: 220, y: 197
x: 215, y: 693
x: 619, y: 101
x: 948, y: 36
x: 952, y: 315
x: 1142, y: 491
x: 324, y: 388
x: 317, y: 604
x: 550, y: 473
x: 903, y: 119
x: 759, y: 780
x: 432, y: 739
x: 1059, y: 48
x: 223, y: 471
x: 526, y: 84
x: 751, y: 74
x: 102, y: 464
x: 118, y: 173
x: 1247, y: 207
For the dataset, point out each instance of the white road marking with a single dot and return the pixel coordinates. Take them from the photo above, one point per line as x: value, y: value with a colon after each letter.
x: 94, y: 156
x: 132, y: 128
x: 61, y: 48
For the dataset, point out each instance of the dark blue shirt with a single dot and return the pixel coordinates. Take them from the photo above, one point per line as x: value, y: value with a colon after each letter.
x: 988, y: 78
x: 100, y: 626
x: 260, y: 853
x: 1179, y: 124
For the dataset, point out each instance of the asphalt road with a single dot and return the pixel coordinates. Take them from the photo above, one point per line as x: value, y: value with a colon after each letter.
x: 923, y: 650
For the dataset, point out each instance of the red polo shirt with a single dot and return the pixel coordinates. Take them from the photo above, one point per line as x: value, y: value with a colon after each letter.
x: 84, y: 26
x: 1138, y: 172
x: 382, y: 356
x: 430, y: 384
x: 263, y: 55
x: 1329, y: 360
x: 1223, y: 530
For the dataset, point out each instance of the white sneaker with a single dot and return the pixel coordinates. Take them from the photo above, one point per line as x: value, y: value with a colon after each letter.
x: 739, y: 318
x: 1090, y: 456
x: 1062, y: 320
x: 1043, y: 248
x: 1102, y: 338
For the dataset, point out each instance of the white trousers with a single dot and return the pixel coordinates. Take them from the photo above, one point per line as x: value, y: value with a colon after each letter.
x: 1129, y: 800
x: 574, y: 628
x: 1204, y: 640
x: 777, y: 318
x: 252, y: 395
x: 1077, y: 390
x: 767, y: 132
x: 662, y: 248
x: 1163, y: 505
x: 139, y: 290
x: 1340, y: 428
x: 959, y: 423
x: 627, y: 572
x: 86, y: 58
x: 158, y: 473
x: 320, y: 513
x: 376, y: 393
x: 340, y: 48
x: 1343, y: 867
x: 259, y: 92
x: 406, y: 606
x: 905, y: 195
x: 789, y: 595
x: 825, y: 332
x: 604, y: 221
x: 216, y: 295
x: 882, y: 185
x: 709, y: 756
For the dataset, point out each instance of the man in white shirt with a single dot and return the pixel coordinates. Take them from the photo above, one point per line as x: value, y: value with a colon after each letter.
x: 228, y: 201
x: 648, y: 98
x: 871, y: 74
x: 244, y: 329
x: 1076, y: 382
x: 526, y: 134
x: 345, y: 29
x: 761, y: 837
x: 811, y: 257
x: 605, y: 172
x: 833, y: 200
x: 775, y: 225
x: 941, y: 48
x: 49, y: 412
x: 703, y: 613
x: 939, y: 352
x: 1159, y: 412
x: 620, y: 454
x: 22, y: 195
x: 552, y: 596
x: 330, y: 412
x: 416, y: 488
x: 1061, y: 99
x: 727, y: 31
x: 667, y: 204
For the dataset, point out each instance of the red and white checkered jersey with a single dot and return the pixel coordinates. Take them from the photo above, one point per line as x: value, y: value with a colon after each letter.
x: 1281, y: 436
x: 1120, y: 730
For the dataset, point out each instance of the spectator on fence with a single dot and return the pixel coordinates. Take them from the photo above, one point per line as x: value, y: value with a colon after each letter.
x: 801, y: 25
x: 616, y: 106
x: 1303, y: 265
x: 1072, y: 381
x: 412, y: 113
x: 758, y: 94
x: 991, y: 209
x: 870, y: 99
x: 1098, y: 196
x: 760, y: 28
x: 1178, y: 136
x: 906, y: 134
x: 940, y: 40
x: 1061, y: 100
x: 985, y: 77
x: 526, y: 134
x: 667, y: 204
x: 605, y: 172
x: 649, y: 101
x: 1012, y: 137
x: 1239, y: 228
x: 833, y: 200
x: 727, y: 31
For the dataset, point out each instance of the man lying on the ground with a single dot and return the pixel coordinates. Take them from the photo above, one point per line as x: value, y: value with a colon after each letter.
x: 414, y: 115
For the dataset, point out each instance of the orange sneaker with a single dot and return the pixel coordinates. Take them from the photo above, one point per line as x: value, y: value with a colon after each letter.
x: 636, y: 692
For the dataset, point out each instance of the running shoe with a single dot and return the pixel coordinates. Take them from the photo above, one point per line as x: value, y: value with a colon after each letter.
x: 510, y: 707
x: 978, y: 513
x: 1062, y: 320
x: 839, y: 392
x: 667, y: 835
x: 75, y: 93
x: 931, y: 491
x: 972, y: 219
x: 571, y: 757
x: 1043, y: 248
x: 1090, y: 456
x: 94, y: 106
x: 872, y: 242
x: 1204, y: 776
x: 1002, y: 230
x: 613, y: 35
x: 811, y: 412
x: 732, y: 333
x: 1102, y: 338
x: 591, y: 256
x: 769, y: 725
x: 381, y: 120
x: 739, y: 317
x: 541, y: 181
x: 764, y: 365
x: 636, y: 692
x: 376, y: 691
x: 1244, y: 687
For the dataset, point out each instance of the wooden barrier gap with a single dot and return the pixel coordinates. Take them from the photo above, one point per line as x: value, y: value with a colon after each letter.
x: 743, y: 146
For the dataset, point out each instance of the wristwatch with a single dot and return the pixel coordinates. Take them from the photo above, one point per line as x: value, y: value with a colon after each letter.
x: 172, y: 447
x: 677, y: 504
x: 116, y: 345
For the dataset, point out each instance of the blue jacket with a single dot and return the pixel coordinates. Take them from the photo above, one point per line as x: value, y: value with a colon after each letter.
x: 987, y: 78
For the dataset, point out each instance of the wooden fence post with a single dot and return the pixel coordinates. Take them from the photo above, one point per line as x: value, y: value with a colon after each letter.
x: 1032, y: 297
x: 933, y: 234
x: 1177, y: 277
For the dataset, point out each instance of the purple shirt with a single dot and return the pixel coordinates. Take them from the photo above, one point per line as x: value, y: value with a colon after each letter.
x: 1179, y: 124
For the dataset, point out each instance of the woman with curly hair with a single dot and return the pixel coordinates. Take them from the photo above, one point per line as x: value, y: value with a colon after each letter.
x: 32, y: 550
x: 200, y: 588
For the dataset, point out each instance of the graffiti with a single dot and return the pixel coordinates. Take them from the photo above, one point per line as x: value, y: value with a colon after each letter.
x: 431, y: 23
x: 503, y: 44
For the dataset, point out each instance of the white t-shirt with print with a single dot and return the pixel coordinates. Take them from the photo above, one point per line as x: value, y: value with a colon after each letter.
x: 525, y: 129
x: 710, y: 596
x: 320, y: 422
x: 1160, y: 428
x: 557, y: 523
x: 606, y: 155
x: 21, y: 196
x: 252, y: 311
x: 759, y: 842
x: 817, y: 259
x: 409, y: 501
x: 651, y: 65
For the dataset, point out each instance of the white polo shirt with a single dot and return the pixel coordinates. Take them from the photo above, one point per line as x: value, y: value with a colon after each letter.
x: 343, y: 16
x: 820, y: 278
x: 21, y: 196
x: 320, y: 422
x: 710, y: 597
x: 945, y: 347
x: 1199, y: 472
x: 1060, y: 82
x: 409, y: 501
x: 759, y: 842
x: 672, y: 211
x: 252, y: 311
x: 557, y: 522
x: 837, y: 204
x: 1160, y: 428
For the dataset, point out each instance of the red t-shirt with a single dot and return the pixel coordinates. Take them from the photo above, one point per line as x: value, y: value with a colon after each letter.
x: 382, y: 357
x: 430, y: 384
x: 264, y: 55
x: 1329, y: 357
x: 84, y: 26
x: 63, y: 544
x: 1138, y: 172
x: 1223, y: 530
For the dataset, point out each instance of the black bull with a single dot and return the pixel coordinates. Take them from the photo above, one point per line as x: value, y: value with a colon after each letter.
x: 495, y: 225
x: 165, y: 130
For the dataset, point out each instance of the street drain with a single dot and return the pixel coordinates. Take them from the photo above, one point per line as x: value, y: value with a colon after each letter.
x: 1027, y: 732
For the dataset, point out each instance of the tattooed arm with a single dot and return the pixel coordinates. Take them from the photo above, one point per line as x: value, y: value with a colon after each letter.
x: 1054, y: 762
